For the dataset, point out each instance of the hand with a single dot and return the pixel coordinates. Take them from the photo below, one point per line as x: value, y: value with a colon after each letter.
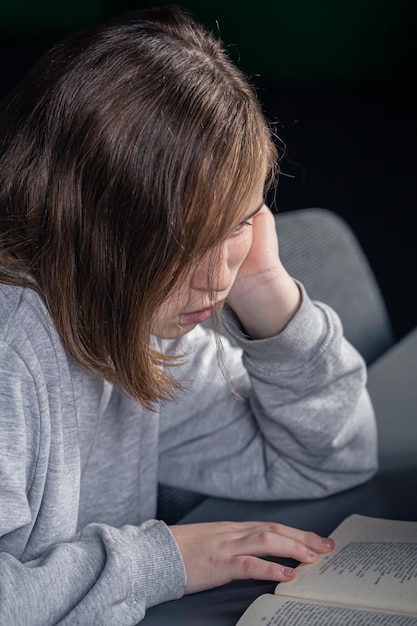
x: 264, y: 296
x: 219, y: 552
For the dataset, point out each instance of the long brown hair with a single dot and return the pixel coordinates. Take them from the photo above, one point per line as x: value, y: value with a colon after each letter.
x: 128, y: 151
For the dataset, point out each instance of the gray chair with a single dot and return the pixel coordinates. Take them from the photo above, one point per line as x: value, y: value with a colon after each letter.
x: 319, y: 249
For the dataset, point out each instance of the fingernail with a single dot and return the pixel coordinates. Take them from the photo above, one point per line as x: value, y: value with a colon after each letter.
x: 326, y: 543
x: 288, y: 572
x: 312, y: 554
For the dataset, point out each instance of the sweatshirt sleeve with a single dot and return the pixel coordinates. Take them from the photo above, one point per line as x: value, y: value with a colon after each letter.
x: 104, y: 576
x: 100, y: 575
x: 303, y: 427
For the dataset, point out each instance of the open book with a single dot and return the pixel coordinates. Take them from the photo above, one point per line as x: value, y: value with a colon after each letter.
x: 370, y: 578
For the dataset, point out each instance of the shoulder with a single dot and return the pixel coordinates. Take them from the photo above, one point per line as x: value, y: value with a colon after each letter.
x: 27, y: 333
x: 20, y: 310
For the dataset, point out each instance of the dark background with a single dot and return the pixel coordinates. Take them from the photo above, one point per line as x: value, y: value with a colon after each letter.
x: 336, y: 77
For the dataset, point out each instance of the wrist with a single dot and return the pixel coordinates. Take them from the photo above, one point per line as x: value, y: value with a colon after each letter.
x: 266, y: 310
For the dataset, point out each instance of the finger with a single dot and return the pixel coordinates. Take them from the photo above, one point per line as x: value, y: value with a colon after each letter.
x: 280, y: 540
x: 265, y: 543
x: 254, y: 568
x: 308, y: 538
x: 311, y: 540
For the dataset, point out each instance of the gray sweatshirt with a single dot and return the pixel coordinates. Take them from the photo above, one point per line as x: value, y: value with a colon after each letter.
x: 80, y: 463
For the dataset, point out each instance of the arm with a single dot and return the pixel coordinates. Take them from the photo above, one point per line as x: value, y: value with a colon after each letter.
x: 306, y: 427
x: 102, y: 576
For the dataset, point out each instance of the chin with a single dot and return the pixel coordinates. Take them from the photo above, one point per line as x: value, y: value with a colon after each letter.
x: 173, y: 332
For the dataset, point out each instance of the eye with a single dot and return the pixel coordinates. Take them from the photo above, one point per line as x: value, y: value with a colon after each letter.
x: 242, y: 226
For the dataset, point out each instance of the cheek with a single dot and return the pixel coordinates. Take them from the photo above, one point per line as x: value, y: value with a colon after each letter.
x: 239, y: 248
x: 164, y: 323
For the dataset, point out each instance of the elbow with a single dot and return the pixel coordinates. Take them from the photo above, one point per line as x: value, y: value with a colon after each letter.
x: 353, y: 457
x: 351, y: 466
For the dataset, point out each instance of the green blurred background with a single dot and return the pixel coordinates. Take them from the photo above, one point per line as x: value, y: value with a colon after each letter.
x: 335, y: 77
x: 293, y: 40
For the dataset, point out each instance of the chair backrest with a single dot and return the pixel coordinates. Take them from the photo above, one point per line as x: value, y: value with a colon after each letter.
x: 319, y: 248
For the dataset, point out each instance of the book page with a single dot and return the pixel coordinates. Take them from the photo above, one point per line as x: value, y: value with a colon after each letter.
x: 373, y: 565
x: 270, y: 610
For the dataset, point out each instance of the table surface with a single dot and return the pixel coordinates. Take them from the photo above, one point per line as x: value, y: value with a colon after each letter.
x: 391, y: 494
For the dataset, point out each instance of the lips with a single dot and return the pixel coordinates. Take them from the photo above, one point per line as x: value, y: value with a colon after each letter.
x: 196, y: 317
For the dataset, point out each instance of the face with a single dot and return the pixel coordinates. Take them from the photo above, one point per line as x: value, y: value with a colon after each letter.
x: 206, y: 288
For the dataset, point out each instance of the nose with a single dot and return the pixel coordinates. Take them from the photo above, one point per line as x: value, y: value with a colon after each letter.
x: 214, y: 271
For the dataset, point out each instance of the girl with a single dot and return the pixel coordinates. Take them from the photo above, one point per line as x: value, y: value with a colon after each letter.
x: 133, y: 164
